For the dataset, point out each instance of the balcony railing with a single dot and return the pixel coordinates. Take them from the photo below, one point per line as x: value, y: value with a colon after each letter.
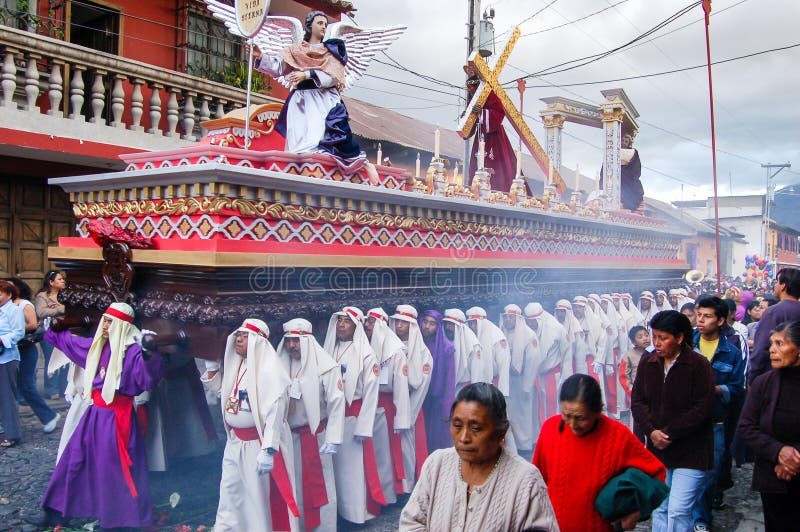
x: 47, y: 76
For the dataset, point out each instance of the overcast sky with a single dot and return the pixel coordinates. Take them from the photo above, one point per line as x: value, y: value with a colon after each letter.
x: 757, y: 113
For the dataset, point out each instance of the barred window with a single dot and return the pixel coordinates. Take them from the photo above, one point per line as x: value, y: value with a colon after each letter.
x: 211, y: 50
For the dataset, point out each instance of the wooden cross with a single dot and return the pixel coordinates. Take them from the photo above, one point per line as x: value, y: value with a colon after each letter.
x: 489, y: 74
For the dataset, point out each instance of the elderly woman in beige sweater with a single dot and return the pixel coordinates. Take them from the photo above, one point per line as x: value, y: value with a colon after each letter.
x: 476, y: 485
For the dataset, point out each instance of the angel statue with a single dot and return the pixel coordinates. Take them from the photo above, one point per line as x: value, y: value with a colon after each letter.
x: 317, y: 62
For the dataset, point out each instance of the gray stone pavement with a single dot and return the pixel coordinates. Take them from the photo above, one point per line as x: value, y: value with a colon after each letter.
x: 26, y: 468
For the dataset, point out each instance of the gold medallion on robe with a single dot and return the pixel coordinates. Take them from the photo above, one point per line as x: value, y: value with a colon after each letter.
x: 232, y: 405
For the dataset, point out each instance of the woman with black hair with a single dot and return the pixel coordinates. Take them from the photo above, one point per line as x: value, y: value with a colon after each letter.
x: 671, y: 402
x: 476, y: 485
x: 48, y: 306
x: 580, y: 450
x: 768, y: 425
x: 29, y: 356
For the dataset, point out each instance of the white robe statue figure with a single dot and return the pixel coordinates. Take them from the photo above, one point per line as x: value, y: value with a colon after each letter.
x: 317, y: 62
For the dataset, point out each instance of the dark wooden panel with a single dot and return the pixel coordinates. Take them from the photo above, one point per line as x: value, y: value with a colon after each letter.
x: 31, y: 196
x: 5, y: 195
x: 59, y: 200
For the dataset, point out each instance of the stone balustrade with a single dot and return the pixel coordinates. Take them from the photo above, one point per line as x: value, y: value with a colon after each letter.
x: 110, y: 91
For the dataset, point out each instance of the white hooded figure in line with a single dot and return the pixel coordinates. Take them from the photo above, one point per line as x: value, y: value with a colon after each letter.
x: 393, y: 416
x: 358, y: 487
x: 420, y: 365
x: 256, y: 492
x: 316, y: 417
x: 526, y: 357
x: 495, y: 345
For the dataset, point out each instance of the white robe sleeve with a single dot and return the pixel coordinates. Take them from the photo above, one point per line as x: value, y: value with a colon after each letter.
x: 502, y: 359
x: 533, y: 359
x: 334, y: 404
x: 370, y: 384
x: 400, y: 393
x: 273, y: 422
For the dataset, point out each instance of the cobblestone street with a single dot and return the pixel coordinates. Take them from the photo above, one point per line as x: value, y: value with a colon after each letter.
x: 25, y: 470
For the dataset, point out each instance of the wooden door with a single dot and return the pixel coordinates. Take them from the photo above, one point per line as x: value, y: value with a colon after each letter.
x: 33, y: 216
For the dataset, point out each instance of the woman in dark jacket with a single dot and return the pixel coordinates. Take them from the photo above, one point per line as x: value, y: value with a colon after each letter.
x: 671, y: 403
x: 769, y: 426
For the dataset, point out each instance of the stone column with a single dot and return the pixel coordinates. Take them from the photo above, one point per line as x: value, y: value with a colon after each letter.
x: 612, y: 115
x: 553, y: 124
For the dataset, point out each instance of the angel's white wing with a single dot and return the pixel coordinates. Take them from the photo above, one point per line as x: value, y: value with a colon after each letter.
x: 276, y: 34
x: 226, y: 14
x: 362, y: 44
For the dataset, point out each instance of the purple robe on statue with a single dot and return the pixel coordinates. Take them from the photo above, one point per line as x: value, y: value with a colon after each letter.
x: 442, y: 390
x: 88, y: 480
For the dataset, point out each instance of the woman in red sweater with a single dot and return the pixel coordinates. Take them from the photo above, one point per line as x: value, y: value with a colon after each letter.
x: 579, y: 451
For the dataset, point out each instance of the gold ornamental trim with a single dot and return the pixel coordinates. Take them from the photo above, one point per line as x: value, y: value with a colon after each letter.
x: 163, y: 207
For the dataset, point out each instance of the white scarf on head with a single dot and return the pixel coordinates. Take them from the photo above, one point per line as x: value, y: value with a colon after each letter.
x: 314, y: 363
x: 121, y: 334
x: 265, y: 380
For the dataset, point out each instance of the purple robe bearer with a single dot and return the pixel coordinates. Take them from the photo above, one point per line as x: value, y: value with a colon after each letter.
x: 442, y: 390
x: 88, y: 480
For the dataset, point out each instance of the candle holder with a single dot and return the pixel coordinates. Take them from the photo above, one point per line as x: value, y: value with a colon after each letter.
x: 574, y: 202
x: 549, y: 197
x: 481, y: 188
x: 517, y: 193
x: 437, y: 181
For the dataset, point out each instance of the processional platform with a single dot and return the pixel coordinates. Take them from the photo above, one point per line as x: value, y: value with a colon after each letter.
x: 240, y: 233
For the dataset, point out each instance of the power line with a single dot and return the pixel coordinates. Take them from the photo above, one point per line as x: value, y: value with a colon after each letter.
x: 397, y: 65
x: 570, y: 22
x: 412, y: 85
x: 596, y: 57
x: 402, y: 95
x: 628, y: 78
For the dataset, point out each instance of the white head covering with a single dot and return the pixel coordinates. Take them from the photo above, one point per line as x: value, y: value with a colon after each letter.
x: 121, y: 334
x: 665, y: 305
x: 638, y: 318
x: 266, y: 379
x: 617, y: 322
x: 361, y: 346
x: 648, y: 314
x: 549, y: 331
x: 465, y: 343
x: 384, y: 341
x: 592, y: 323
x: 523, y: 336
x: 488, y: 333
x: 418, y: 352
x: 314, y: 362
x: 571, y: 323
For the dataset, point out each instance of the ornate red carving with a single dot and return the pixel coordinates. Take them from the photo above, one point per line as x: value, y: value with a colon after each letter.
x: 104, y: 233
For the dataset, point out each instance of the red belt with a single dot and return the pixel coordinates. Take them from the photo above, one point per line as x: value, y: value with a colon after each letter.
x: 122, y: 406
x: 315, y: 494
x: 279, y: 484
x: 375, y: 498
x: 551, y: 391
x: 420, y: 442
x: 386, y: 401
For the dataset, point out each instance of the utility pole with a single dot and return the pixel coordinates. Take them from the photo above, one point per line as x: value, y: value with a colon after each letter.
x: 768, y: 200
x: 473, y: 34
